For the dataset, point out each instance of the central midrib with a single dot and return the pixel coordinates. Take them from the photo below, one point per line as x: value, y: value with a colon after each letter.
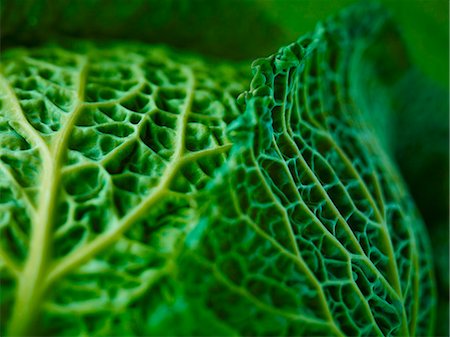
x: 31, y: 286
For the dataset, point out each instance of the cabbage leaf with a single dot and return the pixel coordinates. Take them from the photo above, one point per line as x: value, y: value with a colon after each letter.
x: 140, y: 195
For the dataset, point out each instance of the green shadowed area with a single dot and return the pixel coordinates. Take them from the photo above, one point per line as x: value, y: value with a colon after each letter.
x: 424, y: 25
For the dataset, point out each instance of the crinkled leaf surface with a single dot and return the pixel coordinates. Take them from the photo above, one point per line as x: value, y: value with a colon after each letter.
x: 138, y: 197
x: 319, y: 210
x: 102, y: 154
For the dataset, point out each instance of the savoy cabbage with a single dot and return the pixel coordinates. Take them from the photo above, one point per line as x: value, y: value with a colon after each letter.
x: 149, y: 191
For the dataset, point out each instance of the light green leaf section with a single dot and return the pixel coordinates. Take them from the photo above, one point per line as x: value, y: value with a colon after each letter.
x: 100, y: 149
x: 139, y: 197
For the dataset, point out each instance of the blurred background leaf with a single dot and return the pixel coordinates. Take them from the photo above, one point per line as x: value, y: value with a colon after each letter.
x: 423, y: 24
x: 230, y: 29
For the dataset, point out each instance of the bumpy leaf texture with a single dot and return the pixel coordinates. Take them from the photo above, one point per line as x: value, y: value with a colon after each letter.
x: 139, y: 197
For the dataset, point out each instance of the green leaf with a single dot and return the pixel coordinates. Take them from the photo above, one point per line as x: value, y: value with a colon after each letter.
x: 141, y: 196
x: 103, y: 153
x: 321, y: 235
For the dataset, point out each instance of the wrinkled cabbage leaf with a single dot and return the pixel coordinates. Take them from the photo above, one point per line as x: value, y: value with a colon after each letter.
x: 147, y: 191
